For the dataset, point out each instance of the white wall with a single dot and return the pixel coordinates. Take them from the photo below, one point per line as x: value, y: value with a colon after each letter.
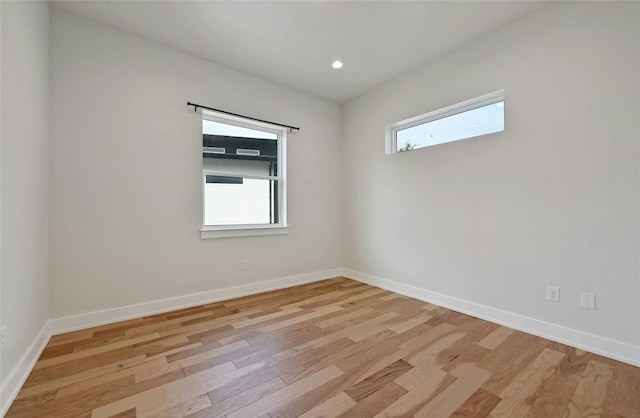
x: 25, y: 180
x: 551, y: 201
x: 1, y: 321
x: 126, y: 173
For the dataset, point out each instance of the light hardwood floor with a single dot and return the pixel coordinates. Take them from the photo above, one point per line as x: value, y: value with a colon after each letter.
x: 326, y: 349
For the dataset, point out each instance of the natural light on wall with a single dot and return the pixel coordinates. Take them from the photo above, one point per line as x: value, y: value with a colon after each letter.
x: 476, y: 117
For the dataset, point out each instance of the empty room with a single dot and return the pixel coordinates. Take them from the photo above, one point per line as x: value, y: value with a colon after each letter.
x: 261, y: 209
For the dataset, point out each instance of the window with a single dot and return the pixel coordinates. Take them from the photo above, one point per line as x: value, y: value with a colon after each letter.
x: 243, y: 177
x: 476, y: 117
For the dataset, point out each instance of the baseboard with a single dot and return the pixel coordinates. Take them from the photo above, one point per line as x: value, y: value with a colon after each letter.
x: 596, y: 344
x: 107, y: 316
x: 18, y: 375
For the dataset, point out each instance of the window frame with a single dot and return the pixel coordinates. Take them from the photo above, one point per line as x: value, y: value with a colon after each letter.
x: 391, y: 130
x: 243, y: 230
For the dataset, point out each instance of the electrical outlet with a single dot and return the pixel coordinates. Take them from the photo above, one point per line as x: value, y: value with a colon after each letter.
x: 245, y: 264
x: 360, y: 255
x: 553, y: 294
x: 588, y: 300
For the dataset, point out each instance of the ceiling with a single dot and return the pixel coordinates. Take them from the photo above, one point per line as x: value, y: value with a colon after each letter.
x: 294, y: 43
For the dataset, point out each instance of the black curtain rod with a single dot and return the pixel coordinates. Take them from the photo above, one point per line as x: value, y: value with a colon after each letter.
x: 196, y: 106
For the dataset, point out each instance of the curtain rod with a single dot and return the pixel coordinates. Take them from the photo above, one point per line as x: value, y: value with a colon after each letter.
x: 196, y: 106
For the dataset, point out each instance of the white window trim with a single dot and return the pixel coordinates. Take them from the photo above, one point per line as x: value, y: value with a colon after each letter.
x: 480, y: 101
x: 247, y: 230
x: 232, y: 231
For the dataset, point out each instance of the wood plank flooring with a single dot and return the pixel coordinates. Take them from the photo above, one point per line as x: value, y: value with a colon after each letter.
x: 335, y: 348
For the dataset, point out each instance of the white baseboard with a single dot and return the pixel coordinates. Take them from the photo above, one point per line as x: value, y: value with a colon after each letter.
x: 616, y: 350
x: 107, y: 316
x: 18, y: 375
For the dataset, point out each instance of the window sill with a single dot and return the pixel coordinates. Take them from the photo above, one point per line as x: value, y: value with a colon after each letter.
x: 250, y: 231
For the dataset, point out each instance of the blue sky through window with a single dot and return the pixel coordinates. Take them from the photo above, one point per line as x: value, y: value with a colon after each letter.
x: 475, y: 122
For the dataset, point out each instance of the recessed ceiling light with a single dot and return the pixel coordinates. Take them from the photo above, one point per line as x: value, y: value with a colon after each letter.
x: 337, y: 64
